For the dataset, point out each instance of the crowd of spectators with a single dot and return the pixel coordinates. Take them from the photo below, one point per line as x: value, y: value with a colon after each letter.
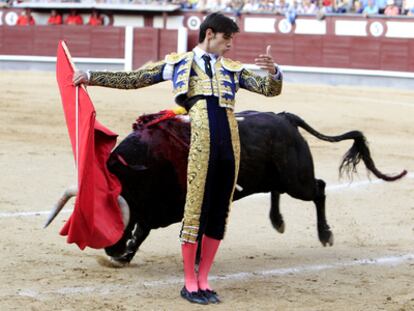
x: 286, y: 7
x: 289, y: 8
x: 55, y: 18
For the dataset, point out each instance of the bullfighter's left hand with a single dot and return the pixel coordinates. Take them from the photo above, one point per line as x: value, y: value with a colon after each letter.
x: 266, y: 62
x: 80, y: 77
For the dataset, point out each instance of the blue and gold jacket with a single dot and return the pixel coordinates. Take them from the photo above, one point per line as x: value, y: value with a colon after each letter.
x: 189, y: 80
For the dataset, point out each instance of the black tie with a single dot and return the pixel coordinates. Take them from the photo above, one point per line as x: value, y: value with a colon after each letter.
x: 207, y: 64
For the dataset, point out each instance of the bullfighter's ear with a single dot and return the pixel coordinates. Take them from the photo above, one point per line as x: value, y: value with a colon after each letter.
x: 138, y: 167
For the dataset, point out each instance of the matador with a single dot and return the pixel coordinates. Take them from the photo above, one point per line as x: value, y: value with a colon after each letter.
x: 205, y: 84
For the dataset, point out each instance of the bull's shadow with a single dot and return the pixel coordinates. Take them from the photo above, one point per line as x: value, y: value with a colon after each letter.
x: 151, y: 166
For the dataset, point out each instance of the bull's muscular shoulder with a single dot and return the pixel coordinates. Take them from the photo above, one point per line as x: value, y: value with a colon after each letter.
x: 175, y: 58
x: 231, y: 65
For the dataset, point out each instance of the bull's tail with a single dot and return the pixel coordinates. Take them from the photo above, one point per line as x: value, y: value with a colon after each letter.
x: 359, y: 150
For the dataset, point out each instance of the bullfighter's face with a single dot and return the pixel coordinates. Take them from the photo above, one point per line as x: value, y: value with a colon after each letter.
x: 220, y: 43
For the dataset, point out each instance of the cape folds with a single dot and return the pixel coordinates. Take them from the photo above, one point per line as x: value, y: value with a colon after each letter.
x: 96, y: 220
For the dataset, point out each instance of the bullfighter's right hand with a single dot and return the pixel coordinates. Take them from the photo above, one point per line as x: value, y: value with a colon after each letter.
x: 266, y: 62
x: 80, y: 77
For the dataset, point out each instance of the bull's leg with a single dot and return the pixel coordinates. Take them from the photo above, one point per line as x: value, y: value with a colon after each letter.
x: 275, y: 216
x: 324, y: 231
x: 125, y: 249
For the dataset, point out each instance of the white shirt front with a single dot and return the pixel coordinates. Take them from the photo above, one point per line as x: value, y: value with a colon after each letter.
x: 198, y: 54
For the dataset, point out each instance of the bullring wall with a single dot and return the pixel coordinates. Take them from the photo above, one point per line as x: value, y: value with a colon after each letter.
x: 344, y: 43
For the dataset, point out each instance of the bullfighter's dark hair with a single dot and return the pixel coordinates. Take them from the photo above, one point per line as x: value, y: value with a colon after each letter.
x: 217, y: 22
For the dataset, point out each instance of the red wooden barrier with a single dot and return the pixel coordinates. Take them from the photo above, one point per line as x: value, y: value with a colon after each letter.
x: 83, y: 41
x: 152, y: 44
x: 328, y: 50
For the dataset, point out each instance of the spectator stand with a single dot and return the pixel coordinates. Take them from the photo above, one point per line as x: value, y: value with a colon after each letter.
x: 335, y: 48
x: 125, y: 12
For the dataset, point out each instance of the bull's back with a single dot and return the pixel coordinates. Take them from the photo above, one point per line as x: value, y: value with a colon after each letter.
x: 152, y: 163
x: 273, y: 153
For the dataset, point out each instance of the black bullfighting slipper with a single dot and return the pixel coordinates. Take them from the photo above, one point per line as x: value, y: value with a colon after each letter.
x: 210, y: 295
x: 194, y: 297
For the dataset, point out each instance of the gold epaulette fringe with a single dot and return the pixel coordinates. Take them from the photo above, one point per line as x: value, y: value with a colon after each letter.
x: 231, y: 65
x: 174, y: 58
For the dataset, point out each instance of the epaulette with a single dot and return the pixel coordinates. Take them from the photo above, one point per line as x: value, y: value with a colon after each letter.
x: 231, y: 65
x: 174, y: 58
x: 151, y: 65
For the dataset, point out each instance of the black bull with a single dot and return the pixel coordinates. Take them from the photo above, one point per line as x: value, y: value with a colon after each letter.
x: 151, y: 165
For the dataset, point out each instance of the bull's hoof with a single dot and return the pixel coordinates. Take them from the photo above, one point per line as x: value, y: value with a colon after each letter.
x: 118, y: 262
x: 327, y: 239
x: 279, y: 225
x: 280, y: 228
x: 122, y: 260
x: 111, y: 262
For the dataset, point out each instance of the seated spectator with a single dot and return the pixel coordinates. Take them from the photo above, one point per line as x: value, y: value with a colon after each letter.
x: 25, y: 18
x: 299, y: 7
x: 327, y: 6
x: 95, y: 19
x: 200, y: 5
x: 74, y: 18
x: 381, y: 4
x: 190, y: 4
x: 371, y: 8
x: 291, y: 12
x: 184, y: 4
x: 342, y: 6
x: 214, y: 5
x: 281, y: 7
x: 391, y: 9
x: 250, y: 6
x: 266, y: 6
x: 310, y: 7
x: 234, y: 6
x: 54, y: 18
x: 408, y: 7
x: 357, y: 8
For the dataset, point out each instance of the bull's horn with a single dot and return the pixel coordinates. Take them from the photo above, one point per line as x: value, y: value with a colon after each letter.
x: 239, y: 188
x: 73, y: 191
x: 69, y: 192
x: 123, y: 205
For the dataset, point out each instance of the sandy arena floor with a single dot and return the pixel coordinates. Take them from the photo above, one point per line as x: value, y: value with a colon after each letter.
x: 370, y: 266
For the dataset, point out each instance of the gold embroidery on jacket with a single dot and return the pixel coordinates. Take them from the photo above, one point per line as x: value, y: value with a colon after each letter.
x: 224, y: 88
x: 262, y: 85
x: 235, y: 140
x: 201, y: 84
x: 145, y: 76
x: 174, y: 58
x: 184, y: 76
x: 231, y: 65
x: 196, y: 171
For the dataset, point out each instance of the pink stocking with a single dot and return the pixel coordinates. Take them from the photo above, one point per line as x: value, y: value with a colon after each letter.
x: 189, y: 251
x: 209, y: 248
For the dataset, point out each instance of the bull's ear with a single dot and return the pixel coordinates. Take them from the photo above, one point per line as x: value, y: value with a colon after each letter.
x: 138, y: 167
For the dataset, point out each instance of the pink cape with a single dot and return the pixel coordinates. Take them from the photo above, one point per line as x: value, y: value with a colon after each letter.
x: 96, y: 220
